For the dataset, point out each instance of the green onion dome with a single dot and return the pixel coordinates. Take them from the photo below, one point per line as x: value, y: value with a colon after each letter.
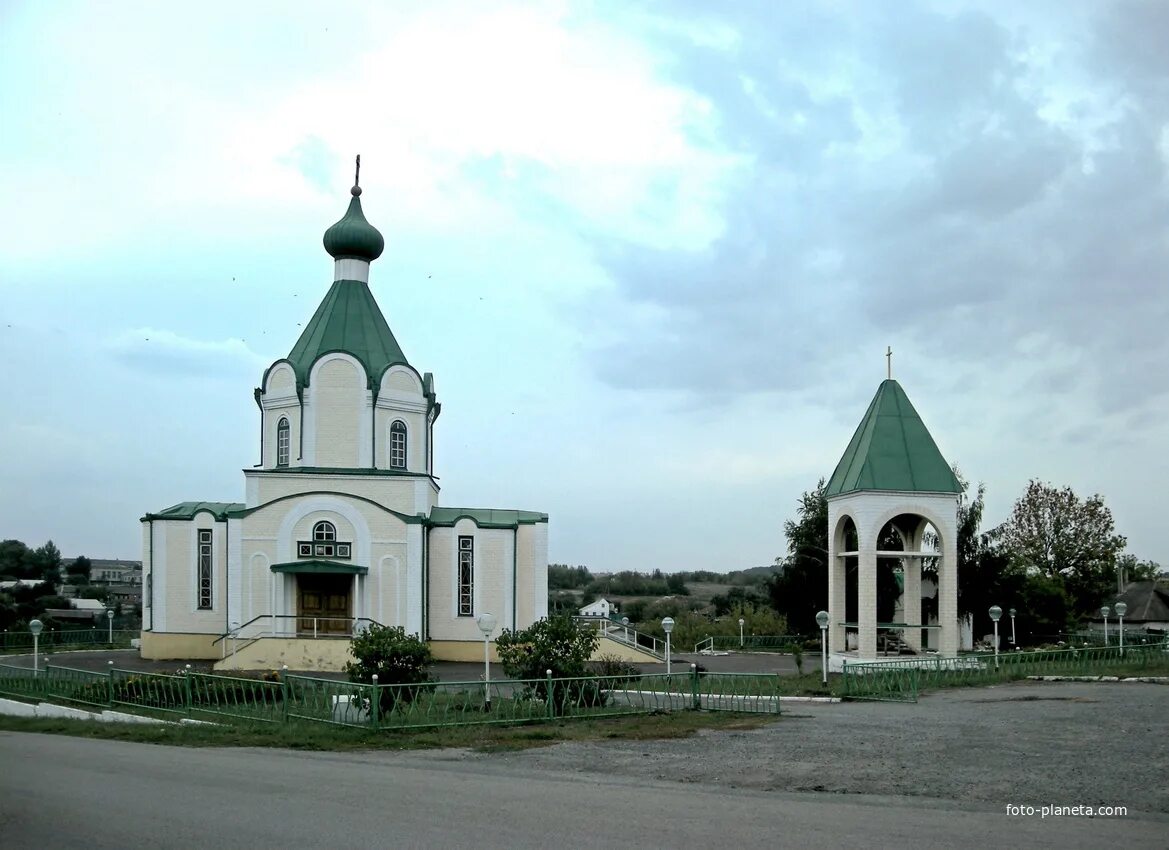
x: 353, y: 237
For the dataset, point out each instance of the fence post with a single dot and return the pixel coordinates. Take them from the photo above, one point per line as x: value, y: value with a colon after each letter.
x: 110, y: 679
x: 374, y: 702
x: 694, y: 686
x: 187, y: 688
x: 549, y: 696
x: 284, y: 691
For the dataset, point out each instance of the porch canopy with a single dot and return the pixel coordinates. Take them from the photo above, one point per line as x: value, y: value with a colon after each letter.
x: 320, y: 568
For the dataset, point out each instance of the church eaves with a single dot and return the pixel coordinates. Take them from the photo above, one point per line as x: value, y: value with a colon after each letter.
x: 893, y: 451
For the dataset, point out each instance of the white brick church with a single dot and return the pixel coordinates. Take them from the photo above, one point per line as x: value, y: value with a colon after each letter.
x: 340, y: 524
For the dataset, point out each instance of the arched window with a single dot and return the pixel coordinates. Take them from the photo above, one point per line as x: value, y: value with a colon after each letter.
x: 324, y: 543
x: 282, y: 442
x: 398, y: 445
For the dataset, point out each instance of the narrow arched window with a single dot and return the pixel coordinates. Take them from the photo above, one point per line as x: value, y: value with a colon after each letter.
x: 324, y: 531
x: 398, y: 445
x: 282, y: 442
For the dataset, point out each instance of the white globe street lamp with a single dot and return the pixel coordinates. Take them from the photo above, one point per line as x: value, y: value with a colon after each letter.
x: 35, y: 627
x: 625, y: 623
x: 1121, y: 610
x: 486, y: 624
x: 110, y: 620
x: 1014, y: 644
x: 667, y: 627
x: 822, y: 622
x: 1104, y: 612
x: 996, y: 612
x: 741, y: 624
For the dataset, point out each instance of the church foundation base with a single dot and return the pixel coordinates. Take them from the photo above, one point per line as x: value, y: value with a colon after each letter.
x: 166, y: 646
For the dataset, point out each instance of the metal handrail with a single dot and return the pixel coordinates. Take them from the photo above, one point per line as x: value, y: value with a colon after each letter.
x: 240, y: 632
x: 624, y: 634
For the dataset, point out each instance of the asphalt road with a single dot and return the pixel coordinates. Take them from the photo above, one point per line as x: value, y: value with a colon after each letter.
x: 64, y: 792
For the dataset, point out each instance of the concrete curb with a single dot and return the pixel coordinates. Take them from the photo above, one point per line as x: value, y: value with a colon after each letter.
x: 1152, y: 680
x: 15, y: 708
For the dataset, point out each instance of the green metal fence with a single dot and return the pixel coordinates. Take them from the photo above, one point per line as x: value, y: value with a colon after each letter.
x: 295, y: 698
x: 50, y: 639
x: 903, y: 679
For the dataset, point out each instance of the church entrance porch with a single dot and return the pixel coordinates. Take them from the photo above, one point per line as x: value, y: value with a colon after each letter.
x: 324, y: 604
x: 316, y: 598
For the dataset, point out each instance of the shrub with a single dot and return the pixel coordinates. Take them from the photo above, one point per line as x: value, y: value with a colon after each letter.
x: 397, y: 658
x: 620, y: 670
x: 554, y: 644
x: 797, y: 651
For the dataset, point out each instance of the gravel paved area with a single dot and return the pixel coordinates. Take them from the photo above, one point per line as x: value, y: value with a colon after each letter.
x: 1023, y: 743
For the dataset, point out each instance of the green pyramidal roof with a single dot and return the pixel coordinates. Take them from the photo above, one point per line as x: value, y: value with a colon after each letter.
x: 348, y: 320
x: 892, y: 450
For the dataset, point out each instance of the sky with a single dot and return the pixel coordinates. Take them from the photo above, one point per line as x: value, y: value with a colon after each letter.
x: 653, y: 253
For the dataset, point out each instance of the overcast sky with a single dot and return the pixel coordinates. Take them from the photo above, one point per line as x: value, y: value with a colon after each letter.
x: 652, y: 253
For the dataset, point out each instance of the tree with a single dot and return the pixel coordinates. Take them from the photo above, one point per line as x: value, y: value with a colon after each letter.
x: 1054, y: 533
x: 1134, y: 569
x: 15, y: 560
x: 81, y: 566
x: 554, y: 644
x: 47, y: 562
x: 801, y: 588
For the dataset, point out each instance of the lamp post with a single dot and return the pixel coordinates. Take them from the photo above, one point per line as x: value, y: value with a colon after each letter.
x: 741, y: 624
x: 486, y: 623
x: 110, y: 620
x: 1121, y: 610
x: 1104, y: 613
x: 35, y: 627
x: 625, y: 623
x: 1012, y: 613
x: 667, y: 627
x: 822, y: 622
x: 996, y: 612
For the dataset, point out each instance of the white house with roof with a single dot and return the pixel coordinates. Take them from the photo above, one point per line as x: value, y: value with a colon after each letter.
x: 598, y: 608
x: 340, y: 524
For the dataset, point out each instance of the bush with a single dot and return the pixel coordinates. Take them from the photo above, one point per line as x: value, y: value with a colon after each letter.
x: 554, y: 644
x: 397, y: 658
x: 620, y: 670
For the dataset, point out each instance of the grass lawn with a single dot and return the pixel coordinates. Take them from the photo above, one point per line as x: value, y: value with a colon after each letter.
x: 311, y: 736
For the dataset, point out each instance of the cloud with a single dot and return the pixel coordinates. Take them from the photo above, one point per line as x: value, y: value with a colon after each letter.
x: 921, y: 190
x: 165, y: 353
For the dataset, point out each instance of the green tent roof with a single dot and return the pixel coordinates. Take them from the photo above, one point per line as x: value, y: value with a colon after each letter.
x: 348, y: 320
x: 485, y: 517
x: 892, y: 450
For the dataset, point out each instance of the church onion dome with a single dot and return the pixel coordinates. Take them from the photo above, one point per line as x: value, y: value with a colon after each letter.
x: 354, y: 238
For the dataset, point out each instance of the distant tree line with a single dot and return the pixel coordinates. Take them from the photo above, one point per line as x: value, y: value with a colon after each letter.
x: 20, y: 604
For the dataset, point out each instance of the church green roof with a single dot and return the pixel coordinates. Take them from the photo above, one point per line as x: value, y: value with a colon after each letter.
x: 485, y: 517
x: 187, y: 510
x: 348, y: 320
x: 892, y: 450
